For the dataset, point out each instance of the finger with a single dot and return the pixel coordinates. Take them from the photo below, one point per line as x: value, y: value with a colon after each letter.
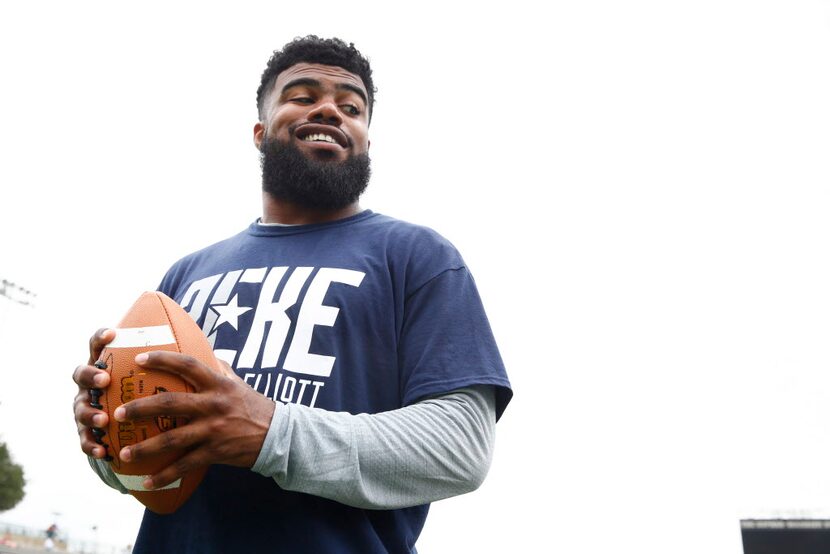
x: 199, y: 375
x: 180, y: 438
x: 176, y: 470
x: 90, y: 377
x: 174, y: 404
x: 90, y: 446
x: 98, y: 341
x: 91, y: 424
x: 86, y: 415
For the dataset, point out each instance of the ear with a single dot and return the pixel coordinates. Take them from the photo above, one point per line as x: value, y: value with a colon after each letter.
x: 259, y: 134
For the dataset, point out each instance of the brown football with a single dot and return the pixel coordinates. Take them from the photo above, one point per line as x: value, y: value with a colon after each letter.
x: 155, y: 322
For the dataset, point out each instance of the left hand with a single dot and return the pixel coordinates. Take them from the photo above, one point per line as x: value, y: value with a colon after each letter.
x: 227, y: 419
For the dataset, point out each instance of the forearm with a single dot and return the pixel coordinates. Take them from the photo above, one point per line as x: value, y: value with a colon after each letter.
x: 434, y: 449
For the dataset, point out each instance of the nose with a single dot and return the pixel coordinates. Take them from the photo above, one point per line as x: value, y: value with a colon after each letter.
x: 326, y: 112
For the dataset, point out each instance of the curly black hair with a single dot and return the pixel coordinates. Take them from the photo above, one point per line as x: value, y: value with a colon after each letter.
x: 313, y: 49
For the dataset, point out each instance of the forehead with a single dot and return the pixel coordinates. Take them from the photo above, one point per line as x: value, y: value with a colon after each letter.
x: 325, y: 74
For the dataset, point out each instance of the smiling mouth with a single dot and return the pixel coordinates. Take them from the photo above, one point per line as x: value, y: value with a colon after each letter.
x: 322, y: 135
x: 319, y: 137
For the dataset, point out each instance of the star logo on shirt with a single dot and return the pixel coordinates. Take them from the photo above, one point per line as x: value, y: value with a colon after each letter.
x: 229, y: 313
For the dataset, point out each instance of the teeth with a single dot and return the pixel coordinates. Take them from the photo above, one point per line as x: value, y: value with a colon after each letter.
x: 319, y: 138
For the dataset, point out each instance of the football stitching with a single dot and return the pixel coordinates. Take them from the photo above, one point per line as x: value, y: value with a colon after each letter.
x: 103, y: 395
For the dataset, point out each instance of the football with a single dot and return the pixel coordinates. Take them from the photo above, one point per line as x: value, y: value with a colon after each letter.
x: 155, y: 322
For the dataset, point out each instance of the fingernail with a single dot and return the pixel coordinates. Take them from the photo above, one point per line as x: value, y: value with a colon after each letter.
x: 148, y: 483
x: 119, y: 413
x: 99, y: 420
x: 100, y: 380
x: 141, y: 358
x: 125, y: 454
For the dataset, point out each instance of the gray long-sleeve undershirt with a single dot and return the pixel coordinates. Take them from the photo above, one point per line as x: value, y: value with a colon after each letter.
x: 433, y: 449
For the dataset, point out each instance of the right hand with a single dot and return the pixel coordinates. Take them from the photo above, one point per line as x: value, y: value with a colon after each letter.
x: 90, y: 377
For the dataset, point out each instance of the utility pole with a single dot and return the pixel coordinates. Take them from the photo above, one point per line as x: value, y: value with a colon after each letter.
x: 16, y: 293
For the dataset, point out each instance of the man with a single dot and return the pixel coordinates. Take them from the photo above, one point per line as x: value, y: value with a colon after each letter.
x: 366, y: 382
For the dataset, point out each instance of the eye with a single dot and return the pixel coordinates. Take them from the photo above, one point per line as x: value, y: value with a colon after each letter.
x: 303, y: 100
x: 351, y: 110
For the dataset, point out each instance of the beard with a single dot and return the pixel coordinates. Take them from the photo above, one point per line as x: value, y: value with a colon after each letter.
x: 288, y: 175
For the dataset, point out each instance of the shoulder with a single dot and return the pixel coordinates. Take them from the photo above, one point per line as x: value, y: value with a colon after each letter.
x: 412, y: 241
x: 416, y: 253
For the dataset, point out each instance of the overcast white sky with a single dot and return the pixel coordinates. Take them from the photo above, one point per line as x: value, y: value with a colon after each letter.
x: 641, y: 189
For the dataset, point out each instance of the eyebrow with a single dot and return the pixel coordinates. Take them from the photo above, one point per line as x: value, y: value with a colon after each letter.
x: 308, y: 82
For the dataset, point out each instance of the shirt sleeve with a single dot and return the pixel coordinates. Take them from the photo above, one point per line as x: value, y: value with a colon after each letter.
x: 104, y: 471
x: 446, y: 342
x: 433, y: 449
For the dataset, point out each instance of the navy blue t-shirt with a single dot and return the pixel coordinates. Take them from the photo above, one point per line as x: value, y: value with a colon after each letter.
x: 363, y: 315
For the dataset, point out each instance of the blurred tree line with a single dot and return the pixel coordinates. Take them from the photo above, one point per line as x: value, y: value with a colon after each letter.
x: 11, y: 480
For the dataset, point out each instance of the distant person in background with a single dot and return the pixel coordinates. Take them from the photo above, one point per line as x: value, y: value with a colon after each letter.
x: 51, y: 535
x: 367, y: 380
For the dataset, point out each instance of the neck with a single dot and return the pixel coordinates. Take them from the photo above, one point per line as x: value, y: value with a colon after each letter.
x: 276, y: 211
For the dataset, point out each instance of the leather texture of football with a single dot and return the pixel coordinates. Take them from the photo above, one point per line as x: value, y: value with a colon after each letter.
x: 155, y: 322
